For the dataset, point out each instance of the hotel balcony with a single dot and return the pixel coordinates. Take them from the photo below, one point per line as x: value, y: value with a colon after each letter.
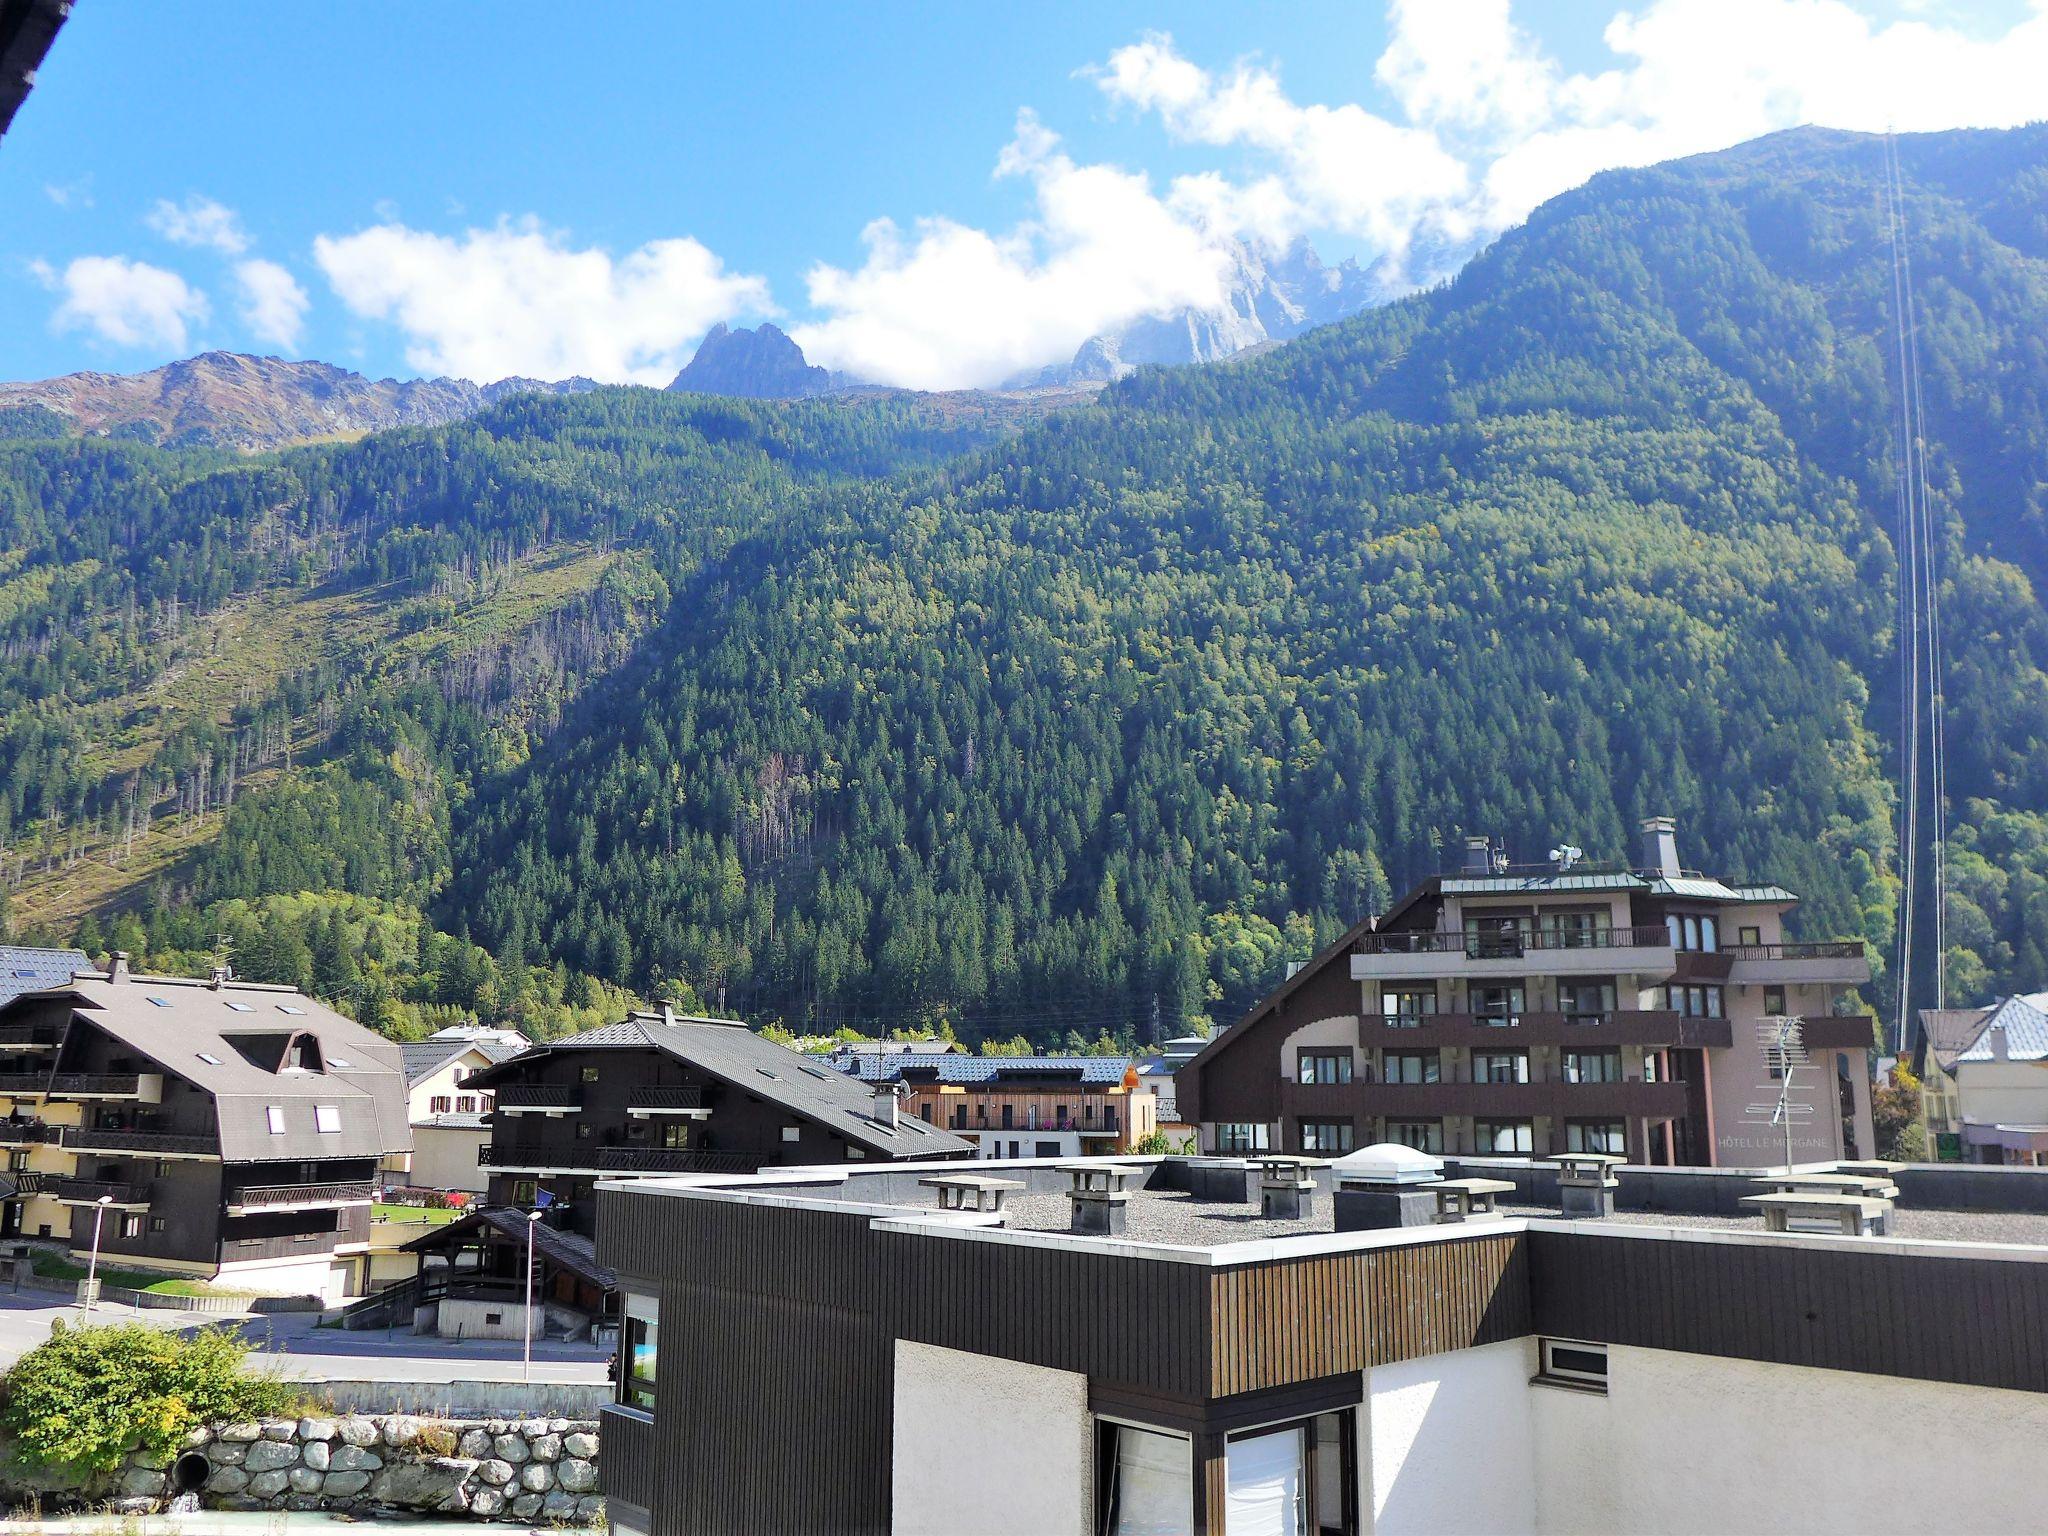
x: 1574, y: 1031
x: 1845, y: 964
x: 1418, y: 956
x: 23, y: 1085
x: 683, y: 1100
x: 297, y: 1197
x: 30, y: 1133
x: 124, y: 1195
x: 140, y: 1087
x: 1553, y: 1099
x: 538, y: 1099
x: 127, y: 1139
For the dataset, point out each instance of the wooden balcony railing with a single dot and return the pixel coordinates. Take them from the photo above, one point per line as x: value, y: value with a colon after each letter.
x: 89, y: 1191
x: 270, y: 1197
x: 539, y: 1096
x: 30, y: 1133
x: 665, y: 1096
x: 1509, y: 946
x: 677, y: 1160
x: 136, y: 1139
x: 86, y: 1085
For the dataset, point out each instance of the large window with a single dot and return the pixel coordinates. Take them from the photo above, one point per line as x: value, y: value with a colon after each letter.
x: 1497, y: 1005
x: 1422, y: 1135
x: 1578, y: 930
x: 1592, y: 1066
x: 1292, y: 1480
x: 1694, y: 1002
x: 1500, y: 1066
x: 1585, y: 999
x: 639, y: 1341
x: 1326, y: 1137
x: 1414, y: 1066
x: 1497, y: 934
x: 1407, y: 1009
x: 1595, y: 1136
x: 1325, y: 1066
x: 1504, y: 1138
x: 1145, y: 1482
x: 1694, y: 931
x: 1241, y: 1136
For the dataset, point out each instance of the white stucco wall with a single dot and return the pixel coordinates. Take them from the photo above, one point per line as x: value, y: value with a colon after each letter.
x: 1450, y: 1448
x: 444, y: 1157
x: 988, y: 1447
x: 1692, y: 1443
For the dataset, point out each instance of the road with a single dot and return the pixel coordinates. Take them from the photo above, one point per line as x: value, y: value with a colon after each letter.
x: 325, y: 1354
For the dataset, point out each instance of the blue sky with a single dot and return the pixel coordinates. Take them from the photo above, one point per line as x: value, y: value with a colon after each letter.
x: 493, y: 189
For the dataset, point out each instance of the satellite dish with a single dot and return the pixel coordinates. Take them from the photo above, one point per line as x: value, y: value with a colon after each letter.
x: 1564, y: 856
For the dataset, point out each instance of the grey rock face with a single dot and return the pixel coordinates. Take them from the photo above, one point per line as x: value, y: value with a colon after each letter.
x: 475, y: 1442
x: 316, y: 1429
x: 486, y: 1502
x: 270, y: 1456
x: 526, y: 1506
x: 226, y: 1454
x: 580, y: 1443
x: 226, y: 1480
x: 316, y: 1454
x: 305, y: 1480
x: 356, y: 1430
x: 495, y: 1472
x: 536, y: 1475
x: 546, y: 1447
x: 280, y: 1429
x: 576, y: 1475
x: 401, y: 1429
x: 345, y: 1485
x: 557, y: 1506
x: 242, y: 1434
x: 590, y: 1506
x: 142, y: 1483
x: 268, y: 1485
x: 511, y: 1448
x: 434, y: 1482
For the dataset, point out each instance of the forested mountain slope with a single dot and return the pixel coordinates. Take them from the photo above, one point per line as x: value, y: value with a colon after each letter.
x: 1093, y: 725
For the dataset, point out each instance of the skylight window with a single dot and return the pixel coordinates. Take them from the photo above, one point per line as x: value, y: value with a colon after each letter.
x: 289, y: 1008
x: 25, y: 975
x: 274, y: 1114
x: 337, y: 1061
x: 327, y: 1119
x: 211, y: 1061
x: 767, y: 1074
x: 241, y: 1007
x: 161, y: 1002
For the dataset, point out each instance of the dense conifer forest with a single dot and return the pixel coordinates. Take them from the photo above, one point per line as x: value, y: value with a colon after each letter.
x: 861, y: 713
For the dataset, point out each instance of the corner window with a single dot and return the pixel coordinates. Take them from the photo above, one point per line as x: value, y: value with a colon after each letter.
x: 1145, y: 1481
x: 1570, y: 1363
x: 639, y: 1345
x: 1325, y: 1066
x: 273, y: 1115
x: 1240, y: 1136
x: 327, y: 1119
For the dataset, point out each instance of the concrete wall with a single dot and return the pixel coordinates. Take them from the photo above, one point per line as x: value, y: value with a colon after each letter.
x: 319, y: 1273
x: 988, y: 1447
x: 1687, y: 1443
x: 444, y: 1157
x: 1449, y: 1445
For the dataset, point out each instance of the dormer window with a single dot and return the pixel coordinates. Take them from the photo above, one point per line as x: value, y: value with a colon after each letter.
x: 273, y: 1115
x: 302, y: 1054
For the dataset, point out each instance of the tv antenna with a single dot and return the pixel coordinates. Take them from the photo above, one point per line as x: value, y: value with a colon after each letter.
x: 1564, y: 856
x: 1782, y: 1042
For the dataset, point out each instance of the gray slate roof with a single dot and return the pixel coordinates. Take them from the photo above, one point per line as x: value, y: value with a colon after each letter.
x: 32, y: 970
x: 951, y: 1067
x: 179, y: 1023
x: 729, y: 1051
x: 1951, y: 1031
x: 423, y: 1058
x: 2026, y: 1031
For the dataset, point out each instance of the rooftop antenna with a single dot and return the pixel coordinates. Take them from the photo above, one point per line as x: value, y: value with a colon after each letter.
x: 1782, y: 1042
x: 1564, y: 856
x: 223, y: 950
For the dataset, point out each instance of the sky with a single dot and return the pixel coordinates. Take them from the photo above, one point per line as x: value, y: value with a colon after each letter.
x: 926, y: 194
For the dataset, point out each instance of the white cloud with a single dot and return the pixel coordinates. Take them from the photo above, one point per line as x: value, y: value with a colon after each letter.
x: 518, y: 299
x: 273, y: 304
x: 70, y: 194
x: 199, y: 221
x: 952, y: 306
x: 129, y: 303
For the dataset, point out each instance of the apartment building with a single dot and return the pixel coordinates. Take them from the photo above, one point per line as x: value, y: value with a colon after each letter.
x: 841, y: 1355
x: 663, y: 1093
x: 1019, y: 1106
x: 447, y: 1111
x: 218, y: 1129
x: 1566, y: 1007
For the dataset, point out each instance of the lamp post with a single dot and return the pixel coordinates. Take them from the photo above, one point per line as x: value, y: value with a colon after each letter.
x: 92, y: 1266
x: 532, y: 1221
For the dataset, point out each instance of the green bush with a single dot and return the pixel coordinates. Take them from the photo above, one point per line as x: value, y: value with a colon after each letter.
x: 85, y: 1397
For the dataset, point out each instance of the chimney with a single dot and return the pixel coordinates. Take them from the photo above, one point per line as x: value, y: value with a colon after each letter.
x: 886, y: 1095
x: 668, y: 1011
x: 1660, y: 845
x: 222, y: 975
x: 118, y: 971
x: 1478, y: 856
x: 2000, y: 1047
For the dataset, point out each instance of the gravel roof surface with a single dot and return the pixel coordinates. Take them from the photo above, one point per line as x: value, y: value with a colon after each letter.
x: 1907, y: 1221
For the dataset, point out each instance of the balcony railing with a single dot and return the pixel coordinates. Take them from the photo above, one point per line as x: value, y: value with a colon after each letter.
x: 1511, y: 946
x: 665, y: 1096
x: 97, y: 1085
x: 1851, y: 949
x: 30, y: 1133
x: 582, y: 1158
x: 90, y: 1191
x: 272, y: 1197
x: 27, y: 1037
x: 562, y: 1096
x: 134, y: 1139
x: 24, y: 1082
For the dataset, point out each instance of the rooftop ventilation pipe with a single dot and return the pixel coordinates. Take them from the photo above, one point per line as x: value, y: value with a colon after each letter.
x: 1478, y: 856
x: 886, y: 1096
x: 118, y: 971
x: 1660, y: 846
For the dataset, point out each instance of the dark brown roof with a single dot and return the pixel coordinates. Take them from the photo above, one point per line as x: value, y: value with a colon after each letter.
x: 27, y: 28
x: 565, y: 1250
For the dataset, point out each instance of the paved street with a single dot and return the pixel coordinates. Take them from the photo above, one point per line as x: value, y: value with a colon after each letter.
x: 325, y: 1354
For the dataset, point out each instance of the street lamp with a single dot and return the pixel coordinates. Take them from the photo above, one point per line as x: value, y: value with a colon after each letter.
x: 92, y: 1268
x: 532, y: 1221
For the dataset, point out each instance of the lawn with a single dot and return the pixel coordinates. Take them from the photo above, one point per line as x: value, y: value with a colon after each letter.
x: 411, y: 1213
x: 56, y: 1267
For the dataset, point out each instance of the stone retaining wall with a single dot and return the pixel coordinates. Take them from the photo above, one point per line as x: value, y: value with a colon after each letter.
x: 486, y: 1469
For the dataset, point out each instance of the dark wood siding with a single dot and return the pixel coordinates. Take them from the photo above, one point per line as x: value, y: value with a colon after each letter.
x: 1981, y: 1322
x: 627, y: 1442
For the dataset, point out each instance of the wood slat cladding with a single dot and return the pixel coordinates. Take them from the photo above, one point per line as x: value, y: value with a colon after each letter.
x: 629, y: 1443
x: 1837, y: 1309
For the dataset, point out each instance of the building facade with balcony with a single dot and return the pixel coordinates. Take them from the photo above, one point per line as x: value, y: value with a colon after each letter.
x: 218, y: 1129
x: 662, y: 1093
x: 1637, y: 1011
x: 1019, y: 1106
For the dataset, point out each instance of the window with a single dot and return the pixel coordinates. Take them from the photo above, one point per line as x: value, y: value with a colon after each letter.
x: 523, y: 1191
x: 1579, y: 930
x: 466, y: 1104
x: 1592, y: 1066
x: 160, y: 1002
x: 1496, y: 935
x: 1325, y: 1066
x: 210, y: 1060
x: 274, y: 1115
x: 1694, y: 1002
x: 1693, y: 931
x: 1774, y: 1001
x: 1585, y: 999
x: 163, y: 1168
x: 1145, y: 1481
x: 924, y: 1112
x: 585, y: 1130
x: 676, y: 1136
x: 440, y: 1104
x: 1568, y: 1363
x: 1422, y: 1135
x: 292, y: 1008
x: 241, y: 1007
x: 1503, y: 1138
x: 131, y: 1225
x: 792, y: 1133
x: 1407, y: 1009
x: 639, y: 1344
x: 1749, y: 935
x: 1595, y: 1136
x: 1500, y: 1066
x: 158, y: 1224
x: 588, y: 1075
x: 1239, y: 1136
x: 1413, y: 1066
x: 336, y: 1061
x: 1497, y: 1006
x: 856, y: 1154
x: 327, y: 1119
x: 1326, y: 1136
x: 1294, y: 1478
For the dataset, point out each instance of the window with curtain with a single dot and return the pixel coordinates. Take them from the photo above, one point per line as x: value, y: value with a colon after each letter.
x: 1267, y: 1485
x: 1147, y: 1485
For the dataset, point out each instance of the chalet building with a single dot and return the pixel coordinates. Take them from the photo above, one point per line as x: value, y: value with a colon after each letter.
x: 1019, y: 1106
x: 1568, y: 1007
x: 847, y: 1356
x: 218, y: 1129
x: 661, y: 1093
x: 1996, y: 1086
x: 448, y: 1112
